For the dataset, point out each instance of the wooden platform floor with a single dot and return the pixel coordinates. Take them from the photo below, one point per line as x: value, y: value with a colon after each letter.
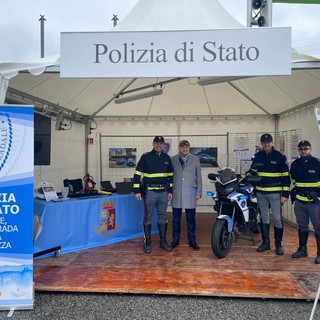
x: 124, y: 268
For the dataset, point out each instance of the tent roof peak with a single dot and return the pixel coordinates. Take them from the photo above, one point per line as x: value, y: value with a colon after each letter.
x: 154, y: 15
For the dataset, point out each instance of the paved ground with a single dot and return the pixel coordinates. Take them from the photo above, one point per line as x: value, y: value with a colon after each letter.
x: 69, y: 306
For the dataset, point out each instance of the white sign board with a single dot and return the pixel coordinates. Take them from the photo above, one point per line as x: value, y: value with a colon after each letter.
x: 197, y: 53
x: 294, y: 144
x: 241, y: 147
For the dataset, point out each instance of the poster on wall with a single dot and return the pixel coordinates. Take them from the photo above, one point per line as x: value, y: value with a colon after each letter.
x: 317, y: 112
x: 294, y: 143
x: 16, y: 209
x: 208, y: 156
x: 167, y: 147
x: 258, y: 146
x: 122, y: 157
x: 241, y: 148
x: 282, y: 144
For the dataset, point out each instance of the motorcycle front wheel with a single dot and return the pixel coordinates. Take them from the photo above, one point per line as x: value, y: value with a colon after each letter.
x: 221, y: 239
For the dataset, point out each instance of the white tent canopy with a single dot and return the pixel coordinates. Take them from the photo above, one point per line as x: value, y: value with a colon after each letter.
x: 259, y: 96
x: 234, y: 102
x: 177, y: 15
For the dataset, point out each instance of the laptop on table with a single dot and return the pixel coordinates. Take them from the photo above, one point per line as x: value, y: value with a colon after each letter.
x: 107, y: 186
x: 124, y: 187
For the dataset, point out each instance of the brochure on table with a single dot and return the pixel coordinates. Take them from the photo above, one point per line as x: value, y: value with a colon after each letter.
x: 49, y: 192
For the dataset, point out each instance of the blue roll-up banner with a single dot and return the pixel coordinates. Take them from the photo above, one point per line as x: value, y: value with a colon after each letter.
x: 16, y: 207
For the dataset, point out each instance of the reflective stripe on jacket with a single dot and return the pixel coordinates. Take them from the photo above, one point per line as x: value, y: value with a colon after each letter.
x: 305, y: 175
x: 274, y: 173
x: 156, y: 170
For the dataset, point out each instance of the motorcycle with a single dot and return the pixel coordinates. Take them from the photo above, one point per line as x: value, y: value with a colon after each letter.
x: 237, y: 208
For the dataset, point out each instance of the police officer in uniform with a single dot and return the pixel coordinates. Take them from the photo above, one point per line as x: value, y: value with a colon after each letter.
x: 305, y: 175
x: 272, y: 191
x: 156, y: 170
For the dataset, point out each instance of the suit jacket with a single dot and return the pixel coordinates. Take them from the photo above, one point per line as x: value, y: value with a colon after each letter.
x: 187, y: 182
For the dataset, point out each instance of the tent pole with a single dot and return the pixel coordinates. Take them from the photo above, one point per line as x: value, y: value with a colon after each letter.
x: 249, y: 98
x: 112, y: 98
x: 276, y: 128
x: 86, y: 149
x: 249, y: 13
x: 42, y: 20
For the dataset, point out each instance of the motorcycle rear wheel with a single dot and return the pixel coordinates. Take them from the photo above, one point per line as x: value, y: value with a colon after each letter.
x: 221, y: 239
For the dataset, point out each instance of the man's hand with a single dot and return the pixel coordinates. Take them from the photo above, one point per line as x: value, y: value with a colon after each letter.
x: 138, y: 196
x: 197, y: 197
x: 169, y: 196
x: 283, y: 200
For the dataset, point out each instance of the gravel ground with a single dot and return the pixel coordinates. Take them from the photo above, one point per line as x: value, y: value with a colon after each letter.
x: 69, y: 306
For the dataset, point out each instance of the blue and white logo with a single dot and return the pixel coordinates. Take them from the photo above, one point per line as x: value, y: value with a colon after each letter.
x: 5, y: 138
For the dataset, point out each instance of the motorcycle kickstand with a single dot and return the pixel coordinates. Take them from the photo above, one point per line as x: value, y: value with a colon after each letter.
x: 237, y: 235
x: 252, y: 238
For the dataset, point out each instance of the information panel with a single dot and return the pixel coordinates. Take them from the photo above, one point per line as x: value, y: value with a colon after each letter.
x: 16, y: 207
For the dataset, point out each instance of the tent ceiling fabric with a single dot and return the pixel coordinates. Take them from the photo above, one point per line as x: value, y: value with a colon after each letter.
x: 185, y: 97
x: 177, y: 15
x: 250, y: 96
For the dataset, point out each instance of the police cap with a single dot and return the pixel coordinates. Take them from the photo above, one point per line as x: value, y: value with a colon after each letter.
x: 266, y: 137
x: 158, y: 139
x: 304, y: 143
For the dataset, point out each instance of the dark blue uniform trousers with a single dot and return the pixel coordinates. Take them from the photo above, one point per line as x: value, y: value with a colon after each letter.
x: 191, y: 224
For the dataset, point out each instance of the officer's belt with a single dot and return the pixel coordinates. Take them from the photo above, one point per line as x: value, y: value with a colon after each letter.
x: 270, y: 185
x: 307, y: 197
x: 157, y: 185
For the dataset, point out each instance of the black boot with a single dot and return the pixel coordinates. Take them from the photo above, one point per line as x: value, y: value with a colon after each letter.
x: 317, y: 260
x: 147, y: 238
x: 163, y: 233
x: 278, y: 234
x: 302, y: 250
x: 265, y: 229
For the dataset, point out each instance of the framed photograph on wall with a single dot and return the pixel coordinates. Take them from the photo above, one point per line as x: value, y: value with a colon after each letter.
x: 122, y: 157
x: 208, y: 156
x: 167, y: 146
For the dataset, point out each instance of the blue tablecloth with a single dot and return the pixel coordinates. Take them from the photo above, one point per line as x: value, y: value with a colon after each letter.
x: 81, y: 223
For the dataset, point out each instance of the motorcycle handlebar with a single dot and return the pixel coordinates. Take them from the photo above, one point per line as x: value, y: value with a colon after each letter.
x: 252, y: 179
x: 212, y: 176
